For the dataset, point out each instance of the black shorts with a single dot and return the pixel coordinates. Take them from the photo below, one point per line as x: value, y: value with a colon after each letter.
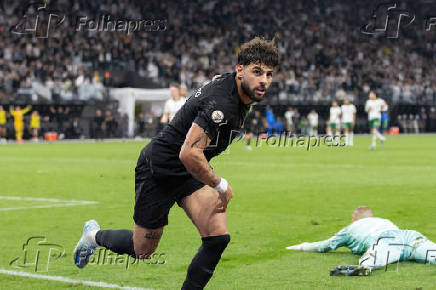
x: 154, y: 197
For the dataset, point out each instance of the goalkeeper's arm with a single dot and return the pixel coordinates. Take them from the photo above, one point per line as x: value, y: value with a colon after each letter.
x: 338, y: 240
x: 322, y: 246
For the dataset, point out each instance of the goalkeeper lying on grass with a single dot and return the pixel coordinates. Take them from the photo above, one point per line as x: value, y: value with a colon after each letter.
x: 380, y: 240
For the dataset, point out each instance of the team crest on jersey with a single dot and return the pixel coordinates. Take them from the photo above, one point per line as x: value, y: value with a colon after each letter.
x: 217, y: 116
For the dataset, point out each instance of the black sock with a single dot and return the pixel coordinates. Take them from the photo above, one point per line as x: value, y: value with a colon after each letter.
x: 118, y: 241
x: 203, y: 264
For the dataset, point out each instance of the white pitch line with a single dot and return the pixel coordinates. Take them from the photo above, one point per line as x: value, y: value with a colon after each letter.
x: 68, y: 280
x: 54, y: 202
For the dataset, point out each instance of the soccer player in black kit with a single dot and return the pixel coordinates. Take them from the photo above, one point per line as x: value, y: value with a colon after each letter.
x: 174, y: 167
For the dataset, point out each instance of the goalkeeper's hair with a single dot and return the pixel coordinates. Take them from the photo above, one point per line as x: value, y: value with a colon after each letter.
x: 259, y: 50
x: 363, y: 212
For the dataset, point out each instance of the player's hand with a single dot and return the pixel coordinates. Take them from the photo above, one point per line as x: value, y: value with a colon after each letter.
x: 299, y: 247
x: 224, y: 199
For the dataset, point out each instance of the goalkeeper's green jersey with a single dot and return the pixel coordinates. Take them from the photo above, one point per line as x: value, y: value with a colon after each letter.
x: 362, y: 234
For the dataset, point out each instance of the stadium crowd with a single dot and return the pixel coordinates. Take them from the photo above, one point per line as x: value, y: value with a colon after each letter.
x: 324, y: 55
x: 323, y: 52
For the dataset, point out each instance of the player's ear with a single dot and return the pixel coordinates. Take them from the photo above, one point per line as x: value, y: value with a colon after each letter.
x: 239, y: 71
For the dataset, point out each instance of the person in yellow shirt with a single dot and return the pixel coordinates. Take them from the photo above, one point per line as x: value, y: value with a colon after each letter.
x: 18, y: 121
x: 2, y: 125
x: 35, y: 122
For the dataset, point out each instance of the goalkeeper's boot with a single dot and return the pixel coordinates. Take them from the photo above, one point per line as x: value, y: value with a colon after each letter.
x: 350, y: 270
x: 86, y: 245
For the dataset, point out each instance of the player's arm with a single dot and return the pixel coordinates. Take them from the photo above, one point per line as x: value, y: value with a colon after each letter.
x: 165, y: 116
x: 338, y: 240
x: 192, y: 156
x: 367, y: 107
x: 385, y: 106
x: 27, y: 109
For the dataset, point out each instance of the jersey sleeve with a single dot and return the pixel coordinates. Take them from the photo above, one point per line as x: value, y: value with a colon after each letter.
x: 214, y: 112
x: 338, y: 240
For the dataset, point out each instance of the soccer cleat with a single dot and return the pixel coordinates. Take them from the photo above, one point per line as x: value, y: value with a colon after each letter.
x: 86, y: 246
x: 382, y: 142
x: 346, y: 270
x: 371, y: 147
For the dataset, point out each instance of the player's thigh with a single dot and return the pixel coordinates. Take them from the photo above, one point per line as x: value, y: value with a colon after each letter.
x: 145, y: 241
x: 202, y: 208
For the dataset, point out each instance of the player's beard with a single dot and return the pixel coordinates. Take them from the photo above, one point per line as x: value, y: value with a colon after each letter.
x: 251, y: 92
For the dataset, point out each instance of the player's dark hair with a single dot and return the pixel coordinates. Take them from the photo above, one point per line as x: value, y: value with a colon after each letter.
x: 259, y: 50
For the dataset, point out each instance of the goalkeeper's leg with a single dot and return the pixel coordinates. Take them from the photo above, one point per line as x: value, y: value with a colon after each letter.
x: 424, y: 252
x: 381, y: 254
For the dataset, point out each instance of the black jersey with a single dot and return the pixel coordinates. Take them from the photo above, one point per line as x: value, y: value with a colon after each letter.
x: 216, y: 108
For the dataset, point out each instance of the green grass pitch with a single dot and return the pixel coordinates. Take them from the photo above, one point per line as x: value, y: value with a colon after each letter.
x: 283, y: 196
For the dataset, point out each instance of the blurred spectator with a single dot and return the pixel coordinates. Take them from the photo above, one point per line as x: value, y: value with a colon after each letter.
x: 61, y: 117
x: 278, y: 126
x: 415, y: 123
x: 140, y: 125
x: 304, y: 126
x: 3, y: 119
x: 110, y: 125
x: 313, y: 123
x: 270, y: 119
x: 35, y: 124
x: 173, y: 104
x: 289, y: 115
x: 98, y: 125
x: 75, y: 129
x: 432, y: 117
